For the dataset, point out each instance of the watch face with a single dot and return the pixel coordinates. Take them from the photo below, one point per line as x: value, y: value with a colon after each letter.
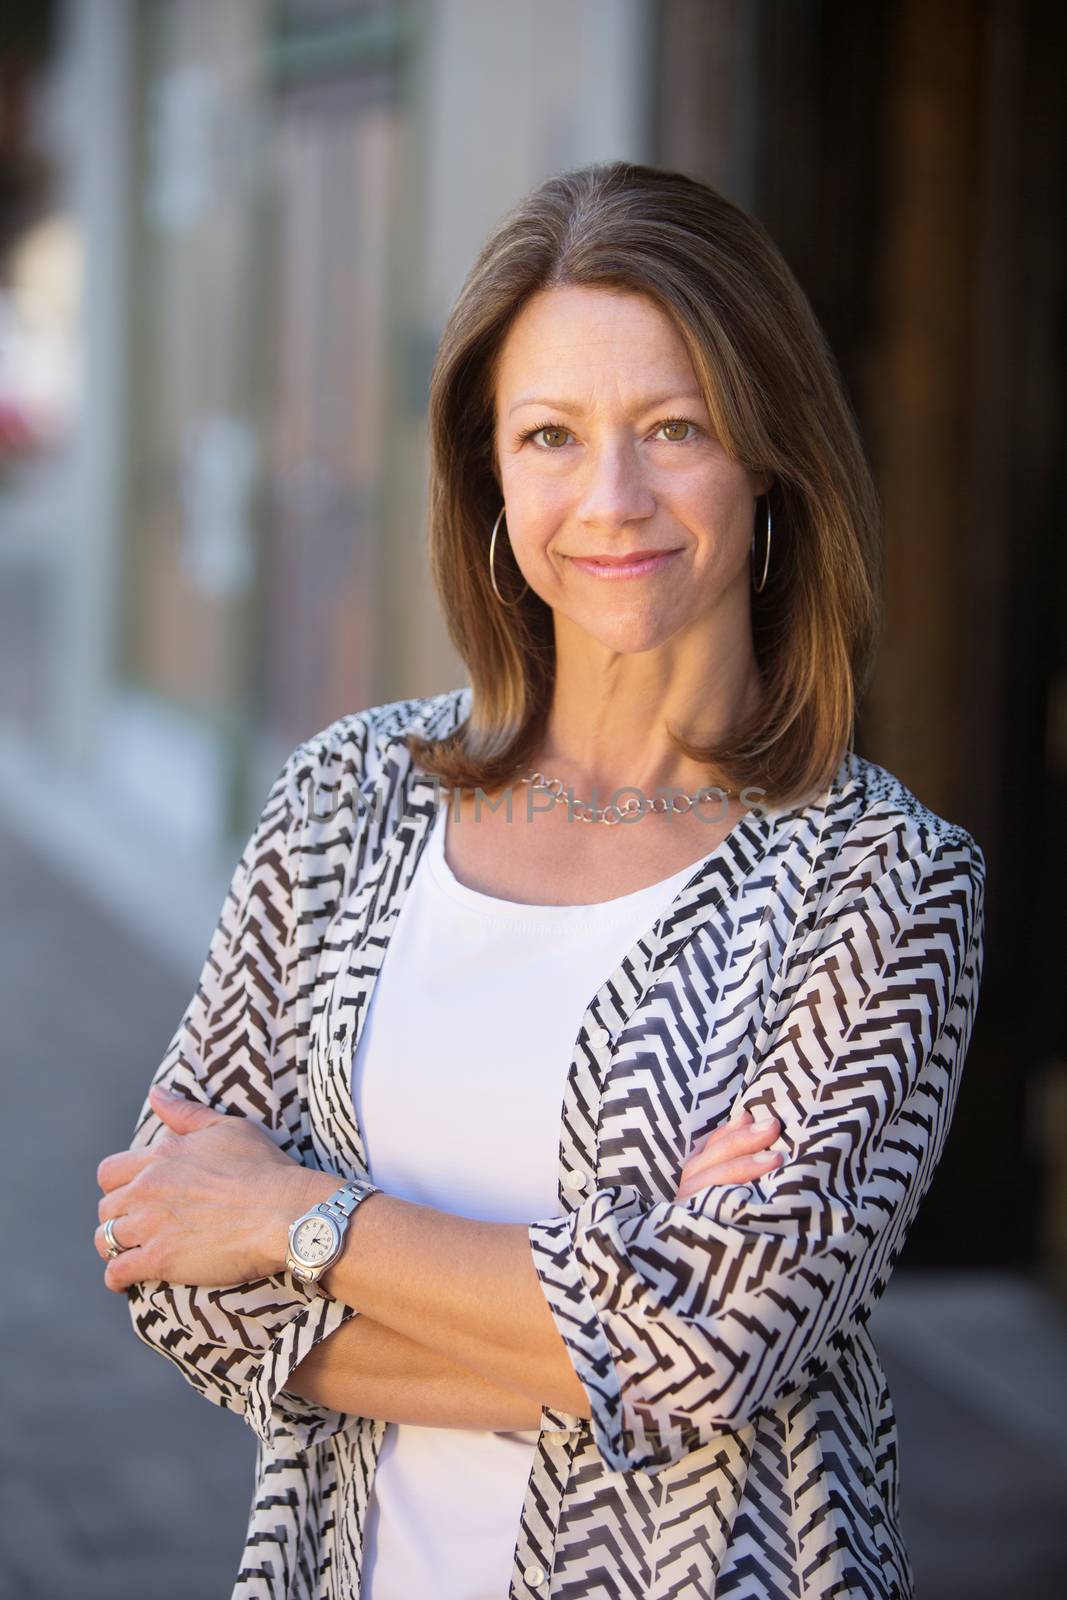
x: 314, y: 1240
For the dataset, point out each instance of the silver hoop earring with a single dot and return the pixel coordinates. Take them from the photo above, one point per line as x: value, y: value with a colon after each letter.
x: 758, y: 587
x: 492, y: 573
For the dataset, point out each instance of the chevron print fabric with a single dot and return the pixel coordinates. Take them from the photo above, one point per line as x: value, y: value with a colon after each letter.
x: 742, y: 1440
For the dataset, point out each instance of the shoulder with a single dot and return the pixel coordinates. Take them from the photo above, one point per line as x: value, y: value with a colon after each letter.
x: 365, y: 747
x: 889, y: 826
x: 869, y: 835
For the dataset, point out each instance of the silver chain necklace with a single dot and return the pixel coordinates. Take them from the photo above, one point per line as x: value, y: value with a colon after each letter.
x: 636, y: 806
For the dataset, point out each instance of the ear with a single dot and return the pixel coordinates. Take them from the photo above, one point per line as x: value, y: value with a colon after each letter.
x: 180, y: 1113
x: 763, y: 483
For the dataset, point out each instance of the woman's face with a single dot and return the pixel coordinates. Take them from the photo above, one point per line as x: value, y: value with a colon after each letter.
x: 600, y: 374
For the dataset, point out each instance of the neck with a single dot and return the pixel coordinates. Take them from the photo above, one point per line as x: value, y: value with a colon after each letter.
x: 609, y: 733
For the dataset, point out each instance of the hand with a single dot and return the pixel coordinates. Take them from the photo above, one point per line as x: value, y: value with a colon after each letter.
x: 208, y: 1202
x: 734, y: 1153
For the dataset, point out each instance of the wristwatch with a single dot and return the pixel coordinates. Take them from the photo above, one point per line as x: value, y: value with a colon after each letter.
x: 317, y: 1238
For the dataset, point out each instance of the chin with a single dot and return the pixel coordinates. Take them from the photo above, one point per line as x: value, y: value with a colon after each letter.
x: 633, y: 639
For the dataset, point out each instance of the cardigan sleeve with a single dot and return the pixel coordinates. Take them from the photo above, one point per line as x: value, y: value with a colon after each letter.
x: 686, y: 1318
x: 235, y: 1049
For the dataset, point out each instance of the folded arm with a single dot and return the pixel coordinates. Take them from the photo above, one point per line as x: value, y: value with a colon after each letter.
x: 686, y: 1320
x: 235, y: 1051
x: 664, y: 1322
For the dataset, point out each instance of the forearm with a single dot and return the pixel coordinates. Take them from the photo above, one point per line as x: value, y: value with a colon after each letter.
x: 466, y: 1290
x: 366, y: 1369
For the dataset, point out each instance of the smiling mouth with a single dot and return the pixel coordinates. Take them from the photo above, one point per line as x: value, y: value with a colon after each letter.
x: 631, y: 566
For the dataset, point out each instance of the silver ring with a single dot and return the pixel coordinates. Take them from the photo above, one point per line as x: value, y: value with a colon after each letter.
x: 111, y: 1243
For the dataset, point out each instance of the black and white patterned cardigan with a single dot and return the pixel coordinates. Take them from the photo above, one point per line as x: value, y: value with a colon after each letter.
x: 742, y: 1440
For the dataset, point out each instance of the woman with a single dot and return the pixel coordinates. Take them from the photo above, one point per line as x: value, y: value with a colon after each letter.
x: 712, y: 1046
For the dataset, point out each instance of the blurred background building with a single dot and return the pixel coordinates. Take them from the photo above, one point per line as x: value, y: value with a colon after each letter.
x: 230, y: 234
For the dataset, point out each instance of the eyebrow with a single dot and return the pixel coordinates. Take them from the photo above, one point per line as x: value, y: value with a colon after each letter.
x: 572, y: 409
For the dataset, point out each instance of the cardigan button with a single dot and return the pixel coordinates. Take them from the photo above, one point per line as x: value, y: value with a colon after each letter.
x: 577, y: 1180
x: 599, y: 1037
x: 534, y: 1576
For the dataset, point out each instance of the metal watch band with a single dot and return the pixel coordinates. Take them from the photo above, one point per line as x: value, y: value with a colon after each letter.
x: 345, y: 1199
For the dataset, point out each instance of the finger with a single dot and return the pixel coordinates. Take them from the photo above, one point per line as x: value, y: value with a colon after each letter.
x: 125, y: 1234
x: 129, y: 1266
x: 735, y: 1142
x: 726, y: 1127
x: 745, y: 1169
x: 177, y: 1111
x: 116, y: 1203
x: 118, y: 1169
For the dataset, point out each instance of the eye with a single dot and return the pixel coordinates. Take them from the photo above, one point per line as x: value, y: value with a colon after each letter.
x: 679, y: 422
x: 542, y: 427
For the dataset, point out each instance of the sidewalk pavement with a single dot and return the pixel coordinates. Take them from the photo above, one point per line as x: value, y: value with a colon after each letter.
x: 117, y: 1480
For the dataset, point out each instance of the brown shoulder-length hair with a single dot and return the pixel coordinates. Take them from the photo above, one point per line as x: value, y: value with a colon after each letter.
x: 777, y: 403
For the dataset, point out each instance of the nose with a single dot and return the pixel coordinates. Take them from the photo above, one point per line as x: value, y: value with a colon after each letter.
x: 615, y: 492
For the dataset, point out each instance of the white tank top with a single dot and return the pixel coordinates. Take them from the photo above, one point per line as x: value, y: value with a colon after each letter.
x: 458, y: 1085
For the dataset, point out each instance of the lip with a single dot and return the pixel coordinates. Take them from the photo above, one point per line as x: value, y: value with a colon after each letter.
x: 632, y: 566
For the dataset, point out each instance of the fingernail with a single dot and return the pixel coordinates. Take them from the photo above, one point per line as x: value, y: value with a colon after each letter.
x: 763, y: 1121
